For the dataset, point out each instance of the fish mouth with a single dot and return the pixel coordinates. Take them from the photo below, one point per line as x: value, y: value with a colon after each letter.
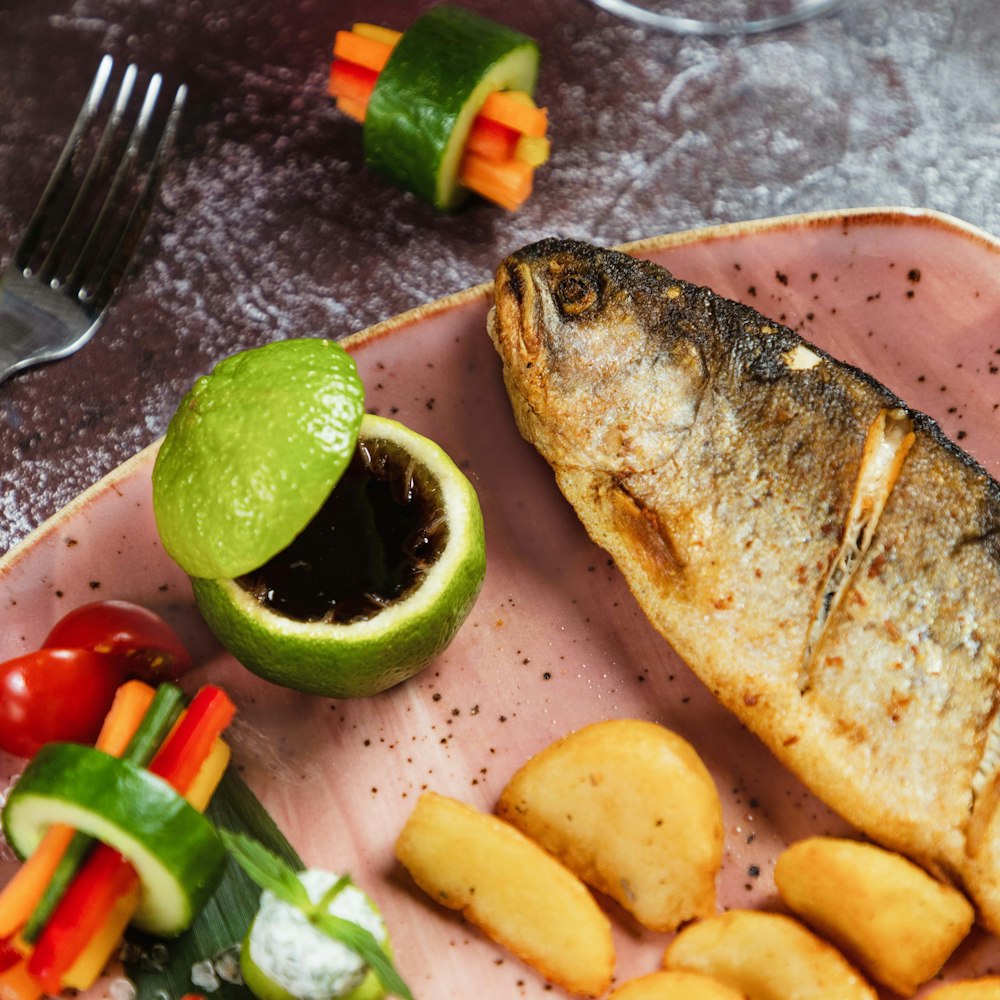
x: 517, y: 310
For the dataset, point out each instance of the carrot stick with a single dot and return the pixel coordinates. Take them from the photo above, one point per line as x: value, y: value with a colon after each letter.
x: 22, y: 893
x: 353, y: 109
x: 368, y: 52
x: 16, y: 983
x: 508, y: 184
x: 132, y: 701
x: 516, y: 110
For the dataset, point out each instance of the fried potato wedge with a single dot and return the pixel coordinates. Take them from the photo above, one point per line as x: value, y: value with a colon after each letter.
x: 629, y: 806
x: 889, y: 916
x: 984, y: 988
x: 675, y: 986
x: 766, y: 956
x: 505, y: 884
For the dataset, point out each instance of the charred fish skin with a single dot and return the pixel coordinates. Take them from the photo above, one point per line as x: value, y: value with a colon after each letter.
x: 824, y: 559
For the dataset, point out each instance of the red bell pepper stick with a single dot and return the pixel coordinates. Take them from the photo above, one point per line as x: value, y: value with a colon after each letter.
x: 350, y: 80
x: 9, y: 955
x: 106, y: 875
x: 185, y: 749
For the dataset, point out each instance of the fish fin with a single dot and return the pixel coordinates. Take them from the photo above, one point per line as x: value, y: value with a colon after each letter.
x: 649, y: 539
x: 887, y: 444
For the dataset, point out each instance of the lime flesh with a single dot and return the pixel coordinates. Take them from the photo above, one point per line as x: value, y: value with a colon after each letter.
x: 252, y: 452
x: 373, y: 647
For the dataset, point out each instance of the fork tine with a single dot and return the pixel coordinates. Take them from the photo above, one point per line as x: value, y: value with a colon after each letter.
x: 99, y: 233
x: 65, y: 163
x: 97, y: 164
x: 118, y: 260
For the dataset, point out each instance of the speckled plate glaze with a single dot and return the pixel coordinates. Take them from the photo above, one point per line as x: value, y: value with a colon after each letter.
x: 556, y: 640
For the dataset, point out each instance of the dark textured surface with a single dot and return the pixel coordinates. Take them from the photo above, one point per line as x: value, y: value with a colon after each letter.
x: 270, y: 225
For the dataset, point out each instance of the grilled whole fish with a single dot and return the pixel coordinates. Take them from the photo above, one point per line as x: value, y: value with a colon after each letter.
x: 822, y: 556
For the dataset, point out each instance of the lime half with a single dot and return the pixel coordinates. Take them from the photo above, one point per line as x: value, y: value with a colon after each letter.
x: 253, y: 451
x: 374, y: 587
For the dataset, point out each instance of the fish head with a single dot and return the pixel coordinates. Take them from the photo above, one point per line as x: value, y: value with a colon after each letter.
x: 584, y: 330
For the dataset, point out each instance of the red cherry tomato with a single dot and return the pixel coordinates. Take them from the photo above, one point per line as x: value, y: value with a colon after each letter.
x: 145, y: 644
x: 55, y: 694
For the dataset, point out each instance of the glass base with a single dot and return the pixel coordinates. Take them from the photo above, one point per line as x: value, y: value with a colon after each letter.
x: 719, y: 17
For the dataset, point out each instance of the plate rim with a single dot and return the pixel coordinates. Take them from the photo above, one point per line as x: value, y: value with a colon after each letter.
x: 870, y: 215
x: 884, y: 215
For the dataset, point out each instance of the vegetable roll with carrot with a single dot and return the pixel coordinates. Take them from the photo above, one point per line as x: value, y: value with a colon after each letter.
x: 446, y: 107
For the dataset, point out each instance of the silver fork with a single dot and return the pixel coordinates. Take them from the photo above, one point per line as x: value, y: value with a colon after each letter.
x: 85, y: 229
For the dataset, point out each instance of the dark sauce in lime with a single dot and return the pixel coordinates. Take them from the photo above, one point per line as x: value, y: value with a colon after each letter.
x: 370, y: 544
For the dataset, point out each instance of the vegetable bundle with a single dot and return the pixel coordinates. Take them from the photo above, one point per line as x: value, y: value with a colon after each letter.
x: 112, y: 834
x: 446, y: 107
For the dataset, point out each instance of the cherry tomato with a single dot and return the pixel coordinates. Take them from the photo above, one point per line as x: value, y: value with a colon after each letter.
x: 145, y: 644
x: 55, y: 694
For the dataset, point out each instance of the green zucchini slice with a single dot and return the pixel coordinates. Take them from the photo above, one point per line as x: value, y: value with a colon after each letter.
x: 425, y: 99
x: 177, y: 853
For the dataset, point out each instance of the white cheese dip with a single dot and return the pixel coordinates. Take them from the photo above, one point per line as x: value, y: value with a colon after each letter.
x: 303, y: 960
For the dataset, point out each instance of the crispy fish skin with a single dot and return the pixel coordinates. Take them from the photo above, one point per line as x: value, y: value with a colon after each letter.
x: 717, y: 456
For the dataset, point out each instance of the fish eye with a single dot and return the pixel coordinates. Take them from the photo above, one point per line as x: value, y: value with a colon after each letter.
x: 576, y: 293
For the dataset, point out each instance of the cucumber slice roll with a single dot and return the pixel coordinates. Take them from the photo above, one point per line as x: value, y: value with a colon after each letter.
x: 427, y: 96
x: 177, y: 853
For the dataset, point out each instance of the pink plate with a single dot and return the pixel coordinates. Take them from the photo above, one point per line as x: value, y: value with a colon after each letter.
x: 555, y: 640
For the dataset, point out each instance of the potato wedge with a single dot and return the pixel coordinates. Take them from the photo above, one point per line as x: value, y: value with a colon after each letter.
x: 630, y: 807
x: 766, y: 956
x: 983, y: 988
x: 894, y: 920
x: 675, y: 986
x: 505, y: 884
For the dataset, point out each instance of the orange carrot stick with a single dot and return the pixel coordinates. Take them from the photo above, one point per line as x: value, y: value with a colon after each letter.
x: 508, y: 184
x: 132, y: 701
x: 353, y: 109
x: 368, y: 52
x: 16, y: 983
x: 516, y: 110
